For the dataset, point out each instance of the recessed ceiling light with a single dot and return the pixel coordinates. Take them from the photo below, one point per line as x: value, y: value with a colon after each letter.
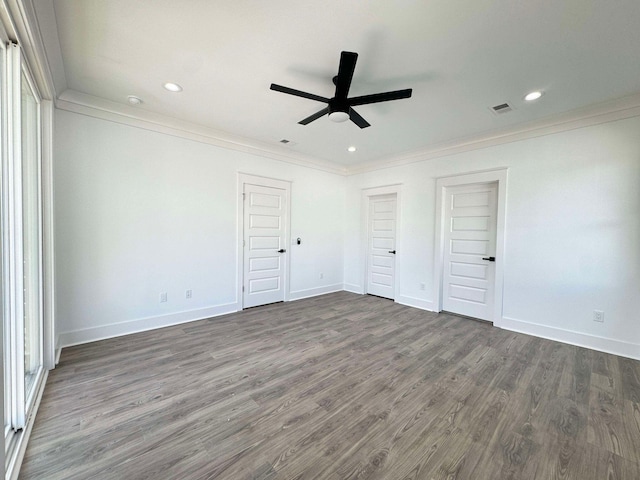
x: 133, y: 100
x: 352, y: 149
x: 530, y: 97
x: 172, y: 87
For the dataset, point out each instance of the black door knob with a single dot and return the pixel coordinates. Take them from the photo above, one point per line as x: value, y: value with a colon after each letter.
x: 491, y: 259
x: 282, y: 250
x: 392, y: 251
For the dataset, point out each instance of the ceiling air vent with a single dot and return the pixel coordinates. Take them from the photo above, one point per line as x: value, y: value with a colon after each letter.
x: 502, y: 108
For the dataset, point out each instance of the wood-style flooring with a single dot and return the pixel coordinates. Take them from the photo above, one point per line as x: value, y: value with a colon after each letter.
x: 340, y: 386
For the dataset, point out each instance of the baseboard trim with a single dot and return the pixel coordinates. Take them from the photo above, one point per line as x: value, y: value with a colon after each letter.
x: 314, y: 292
x: 77, y: 337
x: 415, y: 302
x: 601, y: 344
x: 350, y: 287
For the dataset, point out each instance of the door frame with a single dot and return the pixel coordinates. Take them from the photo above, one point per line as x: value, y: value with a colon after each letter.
x: 498, y: 176
x: 245, y: 178
x: 366, y: 195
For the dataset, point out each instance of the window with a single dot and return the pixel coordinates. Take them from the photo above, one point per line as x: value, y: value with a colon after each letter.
x: 3, y: 239
x: 22, y: 247
x: 32, y: 235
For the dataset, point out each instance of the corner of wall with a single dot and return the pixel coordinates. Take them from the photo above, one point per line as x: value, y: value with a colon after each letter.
x: 350, y: 287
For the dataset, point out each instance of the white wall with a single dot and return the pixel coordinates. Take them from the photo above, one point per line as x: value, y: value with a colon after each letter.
x: 572, y: 232
x: 138, y: 213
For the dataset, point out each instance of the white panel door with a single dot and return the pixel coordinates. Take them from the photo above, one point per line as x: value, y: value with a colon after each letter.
x: 381, y: 261
x: 470, y: 245
x: 264, y: 245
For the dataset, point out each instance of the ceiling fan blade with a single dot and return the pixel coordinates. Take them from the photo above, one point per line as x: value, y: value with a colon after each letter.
x: 380, y: 97
x: 298, y: 93
x: 315, y: 116
x: 357, y: 119
x: 345, y: 74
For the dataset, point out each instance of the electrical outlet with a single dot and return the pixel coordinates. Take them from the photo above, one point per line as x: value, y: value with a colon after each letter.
x: 423, y: 286
x: 188, y: 293
x: 163, y: 297
x: 598, y: 316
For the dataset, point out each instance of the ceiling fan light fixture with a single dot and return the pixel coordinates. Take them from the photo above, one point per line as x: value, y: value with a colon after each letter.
x: 530, y: 97
x: 338, y: 117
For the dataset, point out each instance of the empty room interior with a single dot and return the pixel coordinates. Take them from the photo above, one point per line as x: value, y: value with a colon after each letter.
x: 320, y: 240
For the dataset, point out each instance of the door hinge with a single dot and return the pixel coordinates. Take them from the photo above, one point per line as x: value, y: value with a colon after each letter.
x: 243, y: 288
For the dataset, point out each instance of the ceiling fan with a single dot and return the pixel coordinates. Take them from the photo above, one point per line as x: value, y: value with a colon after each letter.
x: 340, y: 106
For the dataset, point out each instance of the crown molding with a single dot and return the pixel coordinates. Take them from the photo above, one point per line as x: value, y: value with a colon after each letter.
x: 73, y: 101
x: 42, y: 17
x: 618, y: 109
x: 81, y: 103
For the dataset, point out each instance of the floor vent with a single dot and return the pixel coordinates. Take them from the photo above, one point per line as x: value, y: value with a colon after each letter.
x: 502, y: 108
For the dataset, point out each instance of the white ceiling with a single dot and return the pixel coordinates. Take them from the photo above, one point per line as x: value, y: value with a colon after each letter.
x: 459, y: 57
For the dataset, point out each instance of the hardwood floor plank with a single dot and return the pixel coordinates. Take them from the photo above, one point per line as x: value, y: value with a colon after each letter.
x: 334, y: 387
x: 630, y: 379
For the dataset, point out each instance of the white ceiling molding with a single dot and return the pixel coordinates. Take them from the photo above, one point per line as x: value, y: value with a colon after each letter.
x: 618, y: 109
x: 72, y: 101
x: 48, y: 43
x: 81, y: 103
